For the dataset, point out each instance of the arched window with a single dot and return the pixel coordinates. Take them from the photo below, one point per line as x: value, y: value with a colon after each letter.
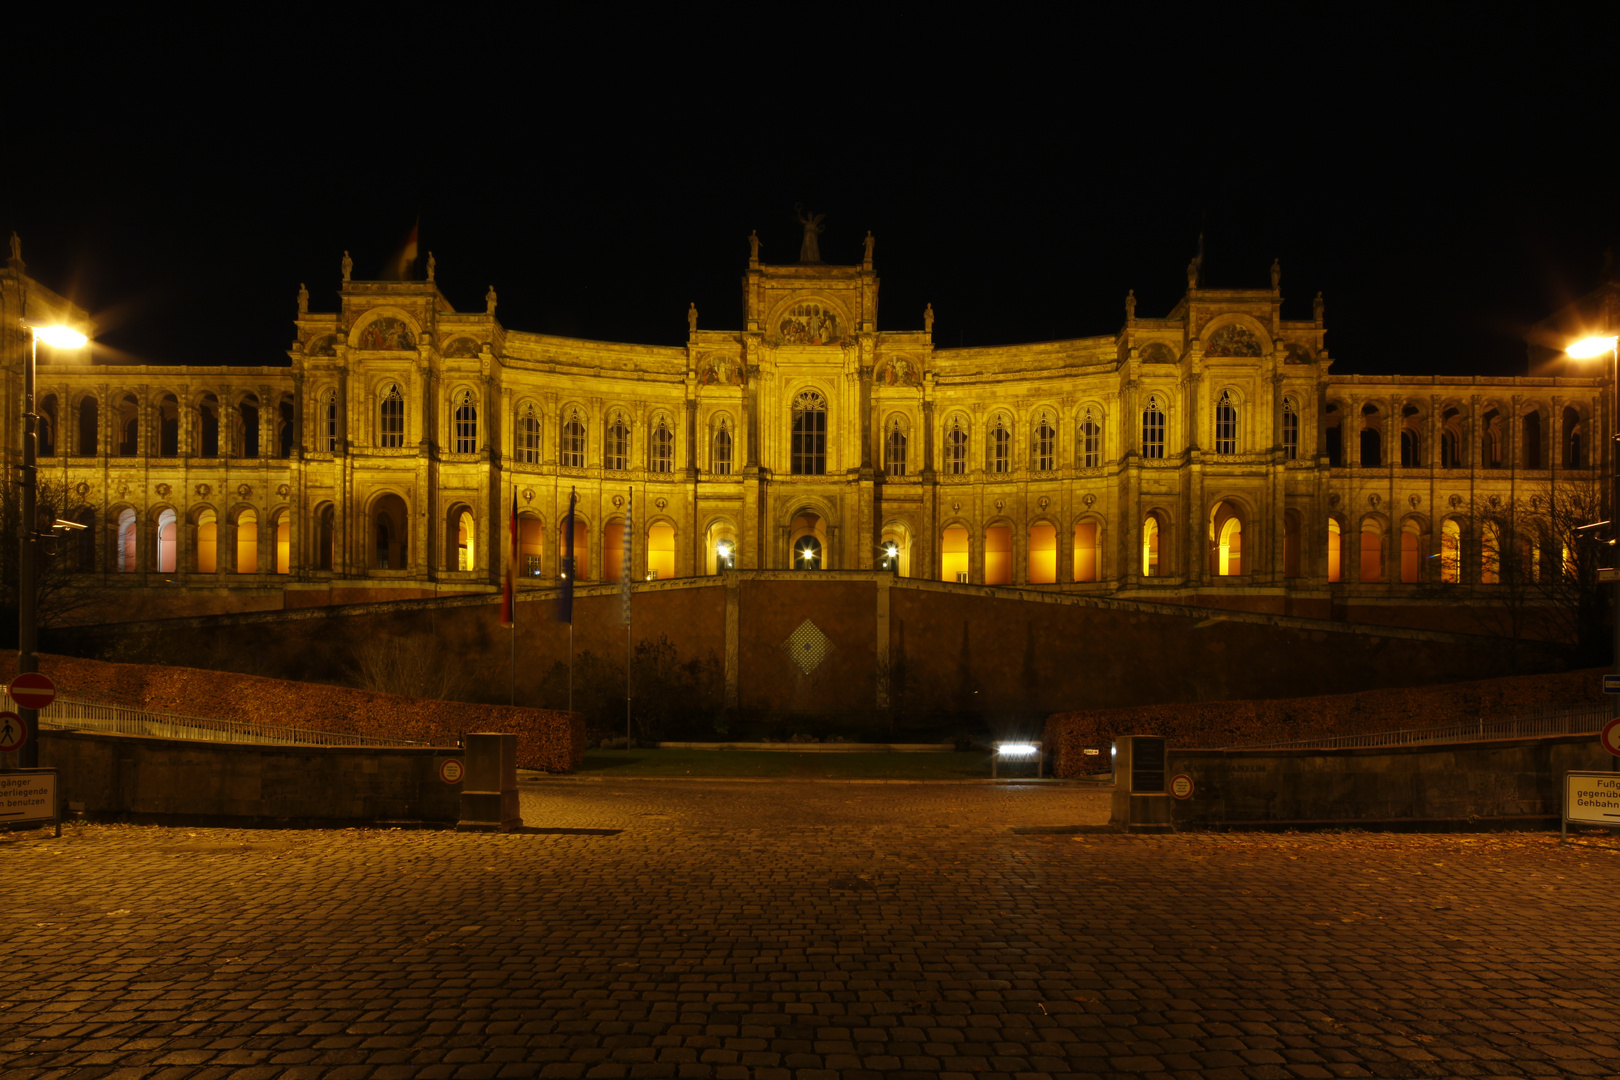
x: 1490, y: 441
x: 284, y: 427
x: 284, y: 542
x: 1573, y: 458
x: 572, y: 449
x: 1226, y: 424
x: 1226, y: 540
x: 1490, y: 554
x: 329, y: 422
x: 128, y: 537
x: 46, y: 432
x: 663, y: 447
x: 207, y: 542
x: 956, y: 450
x: 247, y: 542
x: 1448, y: 449
x: 529, y: 437
x: 1532, y: 439
x: 894, y: 448
x: 809, y: 445
x: 1372, y: 550
x: 1044, y: 446
x: 1085, y: 551
x: 722, y: 449
x: 1290, y: 440
x: 1410, y: 458
x: 616, y: 455
x: 90, y: 423
x: 1372, y: 437
x: 391, y: 429
x: 1153, y: 430
x: 129, y: 426
x: 245, y: 427
x: 1000, y: 447
x: 169, y: 426
x: 1090, y: 442
x: 207, y: 444
x: 1150, y: 546
x: 1450, y: 552
x: 1333, y: 436
x: 1411, y: 559
x: 466, y: 424
x: 953, y: 554
x: 1335, y: 551
x: 168, y: 542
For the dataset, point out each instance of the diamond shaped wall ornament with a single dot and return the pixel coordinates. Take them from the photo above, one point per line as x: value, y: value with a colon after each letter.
x: 807, y: 646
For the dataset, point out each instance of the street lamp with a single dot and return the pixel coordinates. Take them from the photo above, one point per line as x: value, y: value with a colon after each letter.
x: 60, y: 337
x: 1589, y: 349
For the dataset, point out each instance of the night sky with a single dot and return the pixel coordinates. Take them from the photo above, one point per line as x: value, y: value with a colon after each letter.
x: 1443, y: 185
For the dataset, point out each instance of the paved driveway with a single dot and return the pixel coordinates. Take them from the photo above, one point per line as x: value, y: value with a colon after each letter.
x: 804, y: 931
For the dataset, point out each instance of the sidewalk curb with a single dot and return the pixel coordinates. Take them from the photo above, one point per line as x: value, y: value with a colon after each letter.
x: 556, y: 779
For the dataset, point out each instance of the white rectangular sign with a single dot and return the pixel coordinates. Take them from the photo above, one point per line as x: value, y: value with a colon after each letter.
x: 28, y: 796
x: 1592, y: 798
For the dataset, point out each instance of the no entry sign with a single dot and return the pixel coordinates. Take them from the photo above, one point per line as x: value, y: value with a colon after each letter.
x: 13, y: 733
x: 32, y: 690
x: 1611, y: 737
x: 450, y: 770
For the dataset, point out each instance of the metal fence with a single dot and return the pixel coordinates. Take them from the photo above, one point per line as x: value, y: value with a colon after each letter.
x: 75, y: 715
x: 1561, y: 720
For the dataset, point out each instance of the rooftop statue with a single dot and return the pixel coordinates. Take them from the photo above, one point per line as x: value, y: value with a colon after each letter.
x: 489, y: 301
x: 432, y: 263
x: 753, y: 245
x: 1276, y: 273
x: 348, y: 266
x: 303, y: 299
x: 810, y: 248
x: 691, y: 318
x: 928, y: 319
x: 1130, y: 304
x: 16, y: 246
x: 869, y: 243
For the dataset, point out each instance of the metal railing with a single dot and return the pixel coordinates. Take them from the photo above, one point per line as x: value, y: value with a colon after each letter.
x: 1557, y: 720
x: 75, y: 715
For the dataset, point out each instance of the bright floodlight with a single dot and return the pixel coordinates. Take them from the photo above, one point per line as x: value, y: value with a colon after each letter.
x: 60, y: 337
x: 1018, y: 749
x: 892, y: 550
x: 723, y: 550
x: 1587, y: 348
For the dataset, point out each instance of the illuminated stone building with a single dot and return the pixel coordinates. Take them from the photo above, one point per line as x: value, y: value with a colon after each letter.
x: 1204, y: 456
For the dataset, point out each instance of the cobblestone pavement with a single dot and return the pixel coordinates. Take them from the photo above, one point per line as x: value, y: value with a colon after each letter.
x: 804, y: 931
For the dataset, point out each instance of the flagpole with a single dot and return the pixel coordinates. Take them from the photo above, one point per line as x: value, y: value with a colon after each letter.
x: 629, y: 570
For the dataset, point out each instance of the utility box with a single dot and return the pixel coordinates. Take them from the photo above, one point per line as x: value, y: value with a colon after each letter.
x: 1141, y: 803
x: 489, y: 791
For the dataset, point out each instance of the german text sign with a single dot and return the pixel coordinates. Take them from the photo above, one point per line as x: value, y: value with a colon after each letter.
x: 1592, y: 798
x: 32, y: 690
x: 28, y: 795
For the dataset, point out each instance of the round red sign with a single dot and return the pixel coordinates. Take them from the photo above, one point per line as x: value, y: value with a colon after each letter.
x: 450, y: 770
x: 12, y: 732
x: 1181, y: 786
x: 32, y: 690
x: 1611, y: 737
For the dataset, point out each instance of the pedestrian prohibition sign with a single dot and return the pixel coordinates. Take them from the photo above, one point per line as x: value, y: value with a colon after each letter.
x: 31, y: 690
x: 1611, y: 737
x: 13, y: 733
x: 450, y: 770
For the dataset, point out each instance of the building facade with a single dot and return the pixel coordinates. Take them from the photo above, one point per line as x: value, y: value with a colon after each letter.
x: 1207, y: 456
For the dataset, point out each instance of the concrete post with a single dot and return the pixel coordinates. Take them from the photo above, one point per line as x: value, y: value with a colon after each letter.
x: 1141, y: 803
x: 489, y: 795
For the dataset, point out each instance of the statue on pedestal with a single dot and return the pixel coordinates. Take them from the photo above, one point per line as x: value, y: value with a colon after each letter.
x: 1316, y: 308
x: 489, y: 301
x: 431, y: 265
x: 928, y: 319
x: 1130, y: 304
x: 1276, y: 273
x: 16, y: 250
x: 810, y: 247
x: 303, y: 299
x: 691, y: 318
x: 753, y: 245
x: 1192, y: 274
x: 869, y: 243
x: 348, y: 266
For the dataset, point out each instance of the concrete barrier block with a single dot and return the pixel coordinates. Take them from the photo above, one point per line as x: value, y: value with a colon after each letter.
x: 489, y: 795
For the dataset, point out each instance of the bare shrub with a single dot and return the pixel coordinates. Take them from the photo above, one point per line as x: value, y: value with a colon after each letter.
x: 412, y: 665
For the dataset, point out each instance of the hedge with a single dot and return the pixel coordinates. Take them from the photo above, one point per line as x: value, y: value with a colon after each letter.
x: 549, y: 740
x: 1230, y: 723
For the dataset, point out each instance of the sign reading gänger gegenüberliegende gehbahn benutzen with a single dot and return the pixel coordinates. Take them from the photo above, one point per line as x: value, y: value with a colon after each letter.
x: 1591, y: 798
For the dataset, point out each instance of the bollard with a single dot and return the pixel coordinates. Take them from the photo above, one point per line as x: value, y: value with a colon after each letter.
x: 1141, y: 803
x: 489, y: 795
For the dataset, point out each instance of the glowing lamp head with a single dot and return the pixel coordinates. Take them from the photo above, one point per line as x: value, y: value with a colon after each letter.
x: 1017, y: 749
x: 723, y: 550
x: 60, y: 337
x: 891, y: 550
x: 1587, y: 348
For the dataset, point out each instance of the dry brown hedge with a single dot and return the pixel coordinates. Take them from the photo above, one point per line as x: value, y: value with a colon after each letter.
x: 1227, y: 723
x: 550, y: 740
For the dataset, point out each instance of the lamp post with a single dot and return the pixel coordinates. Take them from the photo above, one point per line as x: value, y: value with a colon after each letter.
x: 1587, y: 349
x: 27, y: 587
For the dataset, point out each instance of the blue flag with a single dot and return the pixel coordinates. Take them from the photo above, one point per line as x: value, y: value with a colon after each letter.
x: 565, y: 595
